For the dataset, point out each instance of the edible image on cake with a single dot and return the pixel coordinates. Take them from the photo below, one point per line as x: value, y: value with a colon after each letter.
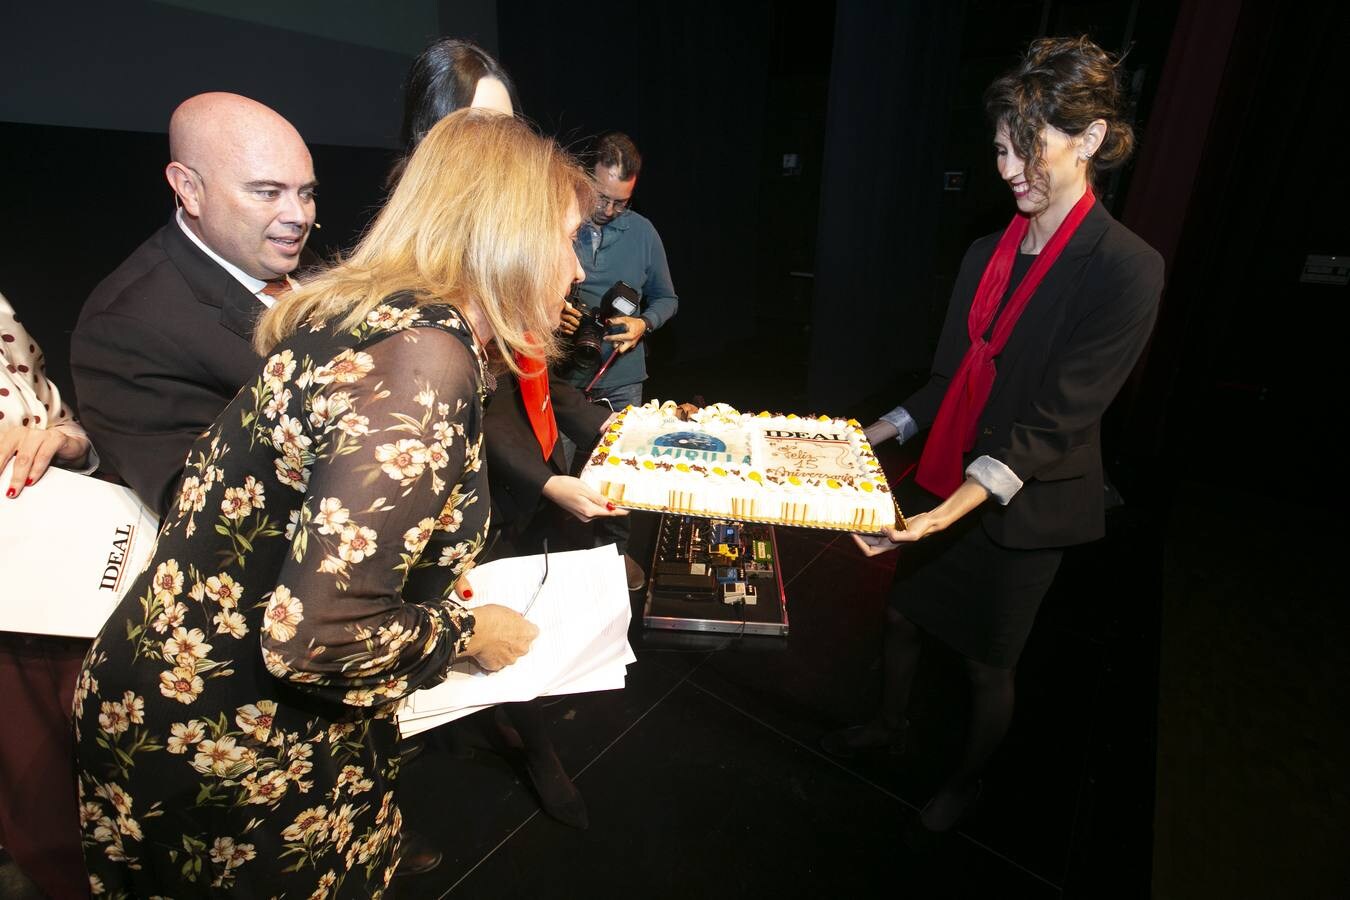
x: 691, y: 440
x: 687, y: 445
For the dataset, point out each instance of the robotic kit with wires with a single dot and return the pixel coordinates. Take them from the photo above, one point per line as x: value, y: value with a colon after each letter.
x: 715, y: 575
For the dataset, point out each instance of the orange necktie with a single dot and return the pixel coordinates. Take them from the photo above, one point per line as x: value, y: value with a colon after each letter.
x: 277, y: 287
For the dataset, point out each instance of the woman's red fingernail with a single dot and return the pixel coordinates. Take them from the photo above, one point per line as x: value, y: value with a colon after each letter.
x: 28, y: 483
x: 467, y: 593
x: 609, y: 506
x: 11, y: 492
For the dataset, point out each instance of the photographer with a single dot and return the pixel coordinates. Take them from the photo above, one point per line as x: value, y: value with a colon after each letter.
x: 620, y: 245
x: 624, y: 259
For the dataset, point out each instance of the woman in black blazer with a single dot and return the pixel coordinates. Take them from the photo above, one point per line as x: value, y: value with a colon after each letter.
x: 1046, y: 321
x: 525, y: 462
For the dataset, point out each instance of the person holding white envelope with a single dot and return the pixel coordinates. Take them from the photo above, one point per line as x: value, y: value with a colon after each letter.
x: 38, y: 809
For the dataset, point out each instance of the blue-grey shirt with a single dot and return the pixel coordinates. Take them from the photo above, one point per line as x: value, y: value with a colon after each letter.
x: 627, y: 249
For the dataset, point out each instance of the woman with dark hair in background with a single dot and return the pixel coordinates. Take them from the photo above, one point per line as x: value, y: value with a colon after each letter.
x: 1046, y: 321
x: 447, y: 76
x: 525, y: 462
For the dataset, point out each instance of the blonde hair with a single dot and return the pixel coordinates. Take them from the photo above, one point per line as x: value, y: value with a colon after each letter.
x: 477, y: 219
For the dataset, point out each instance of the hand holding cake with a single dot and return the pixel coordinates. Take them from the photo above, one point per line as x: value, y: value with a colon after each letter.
x: 579, y: 498
x: 964, y: 500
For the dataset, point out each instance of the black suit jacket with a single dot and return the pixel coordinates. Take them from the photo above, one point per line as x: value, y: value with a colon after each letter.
x: 161, y: 347
x: 1075, y: 344
x: 516, y: 463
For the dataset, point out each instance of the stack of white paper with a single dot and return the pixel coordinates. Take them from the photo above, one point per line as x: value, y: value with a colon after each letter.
x: 582, y: 612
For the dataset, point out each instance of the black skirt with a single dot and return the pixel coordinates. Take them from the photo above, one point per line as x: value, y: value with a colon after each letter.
x: 978, y: 597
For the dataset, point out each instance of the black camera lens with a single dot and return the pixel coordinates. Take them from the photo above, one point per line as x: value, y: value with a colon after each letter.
x: 586, y: 343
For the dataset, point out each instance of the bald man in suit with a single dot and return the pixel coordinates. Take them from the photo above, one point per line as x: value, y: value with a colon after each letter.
x: 165, y: 341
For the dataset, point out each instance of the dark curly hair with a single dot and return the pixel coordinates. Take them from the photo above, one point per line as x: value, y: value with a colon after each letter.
x: 1068, y: 83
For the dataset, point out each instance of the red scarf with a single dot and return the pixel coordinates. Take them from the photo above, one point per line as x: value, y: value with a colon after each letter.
x: 953, y: 432
x: 538, y: 404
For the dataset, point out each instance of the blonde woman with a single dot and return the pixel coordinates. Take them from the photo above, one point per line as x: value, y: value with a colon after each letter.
x: 236, y: 718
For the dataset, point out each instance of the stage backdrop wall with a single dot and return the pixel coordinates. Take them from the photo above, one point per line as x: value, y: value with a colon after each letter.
x: 89, y: 88
x: 333, y: 67
x: 688, y: 82
x: 905, y: 110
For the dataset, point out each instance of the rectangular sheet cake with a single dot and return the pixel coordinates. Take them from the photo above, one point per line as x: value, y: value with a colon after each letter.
x: 783, y: 469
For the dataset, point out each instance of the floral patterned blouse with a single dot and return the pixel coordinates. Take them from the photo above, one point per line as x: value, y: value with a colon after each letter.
x: 235, y: 718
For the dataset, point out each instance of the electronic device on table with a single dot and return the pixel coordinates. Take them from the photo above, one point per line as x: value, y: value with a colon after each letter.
x: 715, y: 575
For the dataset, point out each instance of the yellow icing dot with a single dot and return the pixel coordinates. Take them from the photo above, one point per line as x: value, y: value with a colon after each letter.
x: 854, y: 422
x: 648, y: 464
x: 794, y: 480
x: 792, y: 415
x: 823, y: 418
x: 756, y: 477
x: 764, y: 414
x: 867, y: 487
x: 681, y: 467
x: 613, y: 460
x: 832, y: 483
x: 718, y: 470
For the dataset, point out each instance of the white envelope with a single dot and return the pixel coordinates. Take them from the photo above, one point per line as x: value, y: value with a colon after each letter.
x: 70, y: 546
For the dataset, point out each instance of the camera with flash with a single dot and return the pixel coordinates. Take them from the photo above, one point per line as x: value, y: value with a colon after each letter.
x: 588, y: 341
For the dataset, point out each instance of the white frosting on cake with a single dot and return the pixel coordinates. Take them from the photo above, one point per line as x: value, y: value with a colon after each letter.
x: 786, y: 469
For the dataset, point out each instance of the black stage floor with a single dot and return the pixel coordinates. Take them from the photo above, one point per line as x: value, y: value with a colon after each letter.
x: 1224, y: 777
x: 703, y: 777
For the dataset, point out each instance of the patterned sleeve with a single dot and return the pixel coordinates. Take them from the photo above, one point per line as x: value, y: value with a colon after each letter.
x: 30, y: 396
x: 393, y: 431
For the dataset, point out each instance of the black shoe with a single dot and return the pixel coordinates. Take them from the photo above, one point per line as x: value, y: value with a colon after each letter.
x: 856, y: 740
x: 503, y: 735
x: 558, y: 796
x: 946, y: 809
x: 637, y: 579
x: 416, y: 856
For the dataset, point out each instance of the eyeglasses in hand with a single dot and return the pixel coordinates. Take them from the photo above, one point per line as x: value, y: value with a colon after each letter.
x: 526, y: 610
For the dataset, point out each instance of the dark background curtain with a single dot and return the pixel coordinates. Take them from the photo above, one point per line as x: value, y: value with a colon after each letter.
x: 796, y: 165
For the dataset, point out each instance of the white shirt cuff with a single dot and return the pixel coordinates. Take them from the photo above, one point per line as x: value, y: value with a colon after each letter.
x: 996, y: 478
x: 91, y: 461
x: 903, y: 422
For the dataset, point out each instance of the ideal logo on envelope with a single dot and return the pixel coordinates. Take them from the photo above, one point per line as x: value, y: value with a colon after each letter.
x: 121, y: 544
